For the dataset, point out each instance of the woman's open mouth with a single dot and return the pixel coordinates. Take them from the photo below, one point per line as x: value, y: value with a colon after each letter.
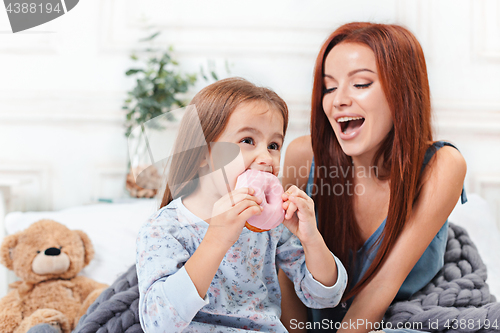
x: 349, y: 126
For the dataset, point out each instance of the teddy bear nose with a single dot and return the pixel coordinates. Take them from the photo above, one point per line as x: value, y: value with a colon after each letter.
x: 52, y: 251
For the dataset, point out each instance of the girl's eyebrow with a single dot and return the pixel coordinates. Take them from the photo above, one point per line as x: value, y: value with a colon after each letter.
x: 257, y: 132
x: 351, y: 73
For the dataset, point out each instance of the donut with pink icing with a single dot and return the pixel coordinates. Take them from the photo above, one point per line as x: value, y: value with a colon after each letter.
x: 268, y: 187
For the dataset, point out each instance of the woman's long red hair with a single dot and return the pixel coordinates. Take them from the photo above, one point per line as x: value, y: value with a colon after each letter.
x: 403, y: 76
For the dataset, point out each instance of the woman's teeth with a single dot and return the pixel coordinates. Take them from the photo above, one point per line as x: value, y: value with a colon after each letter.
x: 344, y: 119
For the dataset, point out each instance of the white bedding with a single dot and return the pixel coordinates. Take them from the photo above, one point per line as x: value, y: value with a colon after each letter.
x: 113, y: 229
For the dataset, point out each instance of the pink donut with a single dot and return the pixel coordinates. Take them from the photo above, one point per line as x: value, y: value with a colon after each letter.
x: 268, y: 187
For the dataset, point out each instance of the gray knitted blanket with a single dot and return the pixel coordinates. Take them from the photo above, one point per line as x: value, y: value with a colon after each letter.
x: 456, y: 300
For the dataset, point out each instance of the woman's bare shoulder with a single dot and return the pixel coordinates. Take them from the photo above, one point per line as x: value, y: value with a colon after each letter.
x: 298, y: 159
x: 450, y: 162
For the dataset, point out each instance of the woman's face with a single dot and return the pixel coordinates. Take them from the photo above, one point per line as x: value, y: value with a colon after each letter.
x: 354, y: 101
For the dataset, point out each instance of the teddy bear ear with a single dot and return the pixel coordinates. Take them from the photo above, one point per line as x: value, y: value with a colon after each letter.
x: 6, y: 250
x: 89, y: 248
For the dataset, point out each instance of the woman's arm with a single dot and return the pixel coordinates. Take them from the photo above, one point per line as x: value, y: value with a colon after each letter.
x: 296, y: 169
x: 443, y: 181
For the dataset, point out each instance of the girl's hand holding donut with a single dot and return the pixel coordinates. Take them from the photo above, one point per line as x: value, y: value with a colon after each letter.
x: 230, y: 214
x: 300, y: 217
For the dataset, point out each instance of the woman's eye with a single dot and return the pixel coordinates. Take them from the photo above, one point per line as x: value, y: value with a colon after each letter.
x: 329, y: 90
x: 274, y: 146
x: 362, y: 86
x: 247, y: 140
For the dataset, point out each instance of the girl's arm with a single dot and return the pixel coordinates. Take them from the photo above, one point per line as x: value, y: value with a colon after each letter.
x: 173, y: 274
x: 296, y: 169
x: 300, y: 219
x: 443, y: 181
x: 313, y: 293
x: 224, y: 230
x: 319, y: 278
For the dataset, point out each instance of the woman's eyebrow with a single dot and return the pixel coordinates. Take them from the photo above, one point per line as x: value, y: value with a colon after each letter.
x: 351, y: 73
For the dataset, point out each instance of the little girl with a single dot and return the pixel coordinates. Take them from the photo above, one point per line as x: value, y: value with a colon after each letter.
x: 199, y: 268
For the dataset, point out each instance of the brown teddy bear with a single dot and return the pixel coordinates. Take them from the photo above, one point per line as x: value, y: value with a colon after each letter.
x: 47, y: 257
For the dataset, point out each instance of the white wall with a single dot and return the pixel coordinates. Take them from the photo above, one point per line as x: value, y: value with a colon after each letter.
x: 62, y: 84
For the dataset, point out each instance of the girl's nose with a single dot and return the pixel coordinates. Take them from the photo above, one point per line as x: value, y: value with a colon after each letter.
x: 264, y: 157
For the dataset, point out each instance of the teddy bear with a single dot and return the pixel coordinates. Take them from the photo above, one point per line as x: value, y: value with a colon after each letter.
x: 47, y: 256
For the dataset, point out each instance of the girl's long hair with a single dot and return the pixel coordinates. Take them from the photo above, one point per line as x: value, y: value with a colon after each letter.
x: 403, y: 76
x: 213, y: 106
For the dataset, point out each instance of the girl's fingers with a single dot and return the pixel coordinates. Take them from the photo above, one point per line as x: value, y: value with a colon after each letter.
x: 292, y: 189
x: 292, y: 208
x: 242, y: 205
x: 302, y: 204
x: 241, y: 196
x: 244, y: 190
x: 285, y: 205
x: 295, y: 191
x: 249, y: 212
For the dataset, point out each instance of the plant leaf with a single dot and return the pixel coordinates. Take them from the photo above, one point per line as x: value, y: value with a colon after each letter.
x: 214, y: 75
x: 133, y: 71
x: 153, y: 36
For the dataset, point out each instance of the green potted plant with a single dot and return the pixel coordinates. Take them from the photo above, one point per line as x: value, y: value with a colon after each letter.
x: 160, y: 87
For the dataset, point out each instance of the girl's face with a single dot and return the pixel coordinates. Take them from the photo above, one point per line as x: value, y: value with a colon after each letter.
x: 354, y: 101
x: 257, y: 129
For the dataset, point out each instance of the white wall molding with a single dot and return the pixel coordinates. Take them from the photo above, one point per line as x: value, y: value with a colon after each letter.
x: 417, y: 16
x: 123, y: 27
x: 488, y: 187
x: 468, y: 116
x: 486, y: 29
x: 45, y: 107
x: 109, y: 181
x: 230, y: 29
x: 38, y: 40
x: 110, y: 117
x: 33, y: 191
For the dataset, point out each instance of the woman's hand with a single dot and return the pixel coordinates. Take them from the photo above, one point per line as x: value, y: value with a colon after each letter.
x: 300, y: 217
x: 230, y: 214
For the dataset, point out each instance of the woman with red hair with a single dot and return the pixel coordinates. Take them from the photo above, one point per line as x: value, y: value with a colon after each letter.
x: 382, y: 188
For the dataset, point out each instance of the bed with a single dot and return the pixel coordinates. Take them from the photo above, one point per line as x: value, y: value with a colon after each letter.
x: 115, y: 255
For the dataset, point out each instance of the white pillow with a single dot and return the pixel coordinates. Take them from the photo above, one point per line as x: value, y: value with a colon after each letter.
x: 476, y: 217
x: 112, y: 228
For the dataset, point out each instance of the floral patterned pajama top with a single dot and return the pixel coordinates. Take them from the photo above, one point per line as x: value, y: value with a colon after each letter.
x: 244, y: 294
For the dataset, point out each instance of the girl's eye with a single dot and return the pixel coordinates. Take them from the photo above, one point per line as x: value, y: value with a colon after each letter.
x: 274, y: 146
x: 362, y: 86
x: 247, y: 140
x: 329, y: 90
